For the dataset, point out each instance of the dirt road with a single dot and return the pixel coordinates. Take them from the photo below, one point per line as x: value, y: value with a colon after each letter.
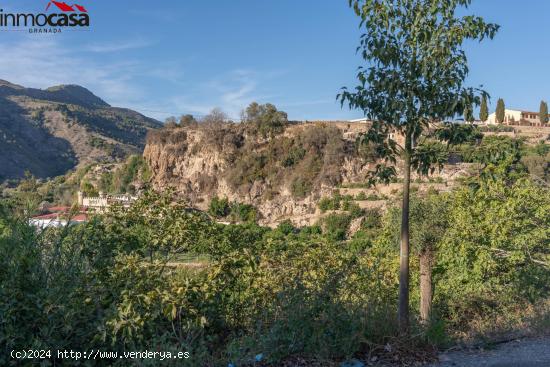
x: 520, y: 353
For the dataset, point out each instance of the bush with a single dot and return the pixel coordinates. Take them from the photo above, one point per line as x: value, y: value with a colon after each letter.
x: 335, y: 226
x: 537, y: 166
x: 496, y: 128
x: 361, y: 196
x: 219, y: 208
x: 301, y: 187
x: 311, y: 158
x: 353, y: 209
x: 244, y: 213
x: 327, y: 203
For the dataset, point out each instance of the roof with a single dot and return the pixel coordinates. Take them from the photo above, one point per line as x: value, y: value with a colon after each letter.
x: 59, y: 209
x: 80, y: 217
x: 46, y: 216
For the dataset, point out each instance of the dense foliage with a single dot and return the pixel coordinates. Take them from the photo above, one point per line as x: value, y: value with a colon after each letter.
x: 126, y: 280
x: 414, y: 74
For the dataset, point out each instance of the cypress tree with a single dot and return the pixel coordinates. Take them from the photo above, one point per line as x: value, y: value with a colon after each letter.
x: 483, y: 109
x: 500, y: 111
x: 543, y: 114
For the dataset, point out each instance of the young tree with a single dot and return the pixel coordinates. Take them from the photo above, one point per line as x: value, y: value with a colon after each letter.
x: 500, y: 111
x: 429, y: 222
x: 483, y: 109
x: 543, y: 114
x: 414, y: 75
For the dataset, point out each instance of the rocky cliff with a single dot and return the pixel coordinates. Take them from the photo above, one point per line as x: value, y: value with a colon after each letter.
x: 283, y: 176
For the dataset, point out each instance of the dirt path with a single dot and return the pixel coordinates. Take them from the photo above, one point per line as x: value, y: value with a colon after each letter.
x: 520, y: 353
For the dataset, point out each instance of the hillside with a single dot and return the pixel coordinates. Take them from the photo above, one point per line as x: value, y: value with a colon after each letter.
x: 50, y: 131
x: 286, y: 170
x: 283, y: 176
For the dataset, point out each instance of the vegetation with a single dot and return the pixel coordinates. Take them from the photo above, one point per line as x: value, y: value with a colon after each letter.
x: 500, y: 111
x: 543, y: 113
x: 414, y: 75
x: 303, y: 162
x: 120, y: 281
x: 234, y: 211
x: 266, y: 119
x: 463, y: 265
x: 496, y: 128
x: 123, y: 179
x: 483, y: 109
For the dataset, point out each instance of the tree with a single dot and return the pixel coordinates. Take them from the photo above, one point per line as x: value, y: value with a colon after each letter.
x: 187, y: 120
x: 266, y: 118
x: 483, y: 109
x: 496, y: 246
x: 469, y: 114
x: 414, y: 76
x: 543, y: 114
x: 216, y: 116
x: 170, y: 122
x: 500, y: 111
x: 429, y: 222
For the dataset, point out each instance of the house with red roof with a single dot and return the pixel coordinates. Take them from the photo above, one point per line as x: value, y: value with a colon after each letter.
x: 59, y: 216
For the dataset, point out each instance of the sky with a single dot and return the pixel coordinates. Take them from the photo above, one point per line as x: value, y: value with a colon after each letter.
x: 166, y: 58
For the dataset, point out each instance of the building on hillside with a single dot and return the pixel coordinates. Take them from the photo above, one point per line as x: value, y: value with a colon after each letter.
x: 359, y: 121
x: 58, y: 216
x: 516, y: 117
x: 104, y: 201
x: 395, y: 135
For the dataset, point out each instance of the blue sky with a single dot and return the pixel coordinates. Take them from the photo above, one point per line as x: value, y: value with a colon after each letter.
x: 172, y: 57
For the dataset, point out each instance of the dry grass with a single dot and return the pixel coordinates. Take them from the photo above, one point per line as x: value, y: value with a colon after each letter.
x: 522, y: 320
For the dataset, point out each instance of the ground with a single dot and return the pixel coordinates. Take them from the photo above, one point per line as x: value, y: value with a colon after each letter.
x: 519, y: 353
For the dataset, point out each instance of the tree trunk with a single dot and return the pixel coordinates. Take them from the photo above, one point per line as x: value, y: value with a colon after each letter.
x: 403, y: 310
x: 426, y: 288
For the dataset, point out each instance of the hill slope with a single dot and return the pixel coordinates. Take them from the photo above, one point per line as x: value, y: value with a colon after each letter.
x: 50, y: 131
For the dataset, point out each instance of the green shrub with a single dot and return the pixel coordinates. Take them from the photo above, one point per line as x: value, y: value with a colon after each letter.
x: 286, y: 227
x: 361, y: 196
x: 327, y: 203
x: 244, y: 212
x: 353, y: 209
x: 335, y: 226
x: 295, y: 155
x: 219, y: 207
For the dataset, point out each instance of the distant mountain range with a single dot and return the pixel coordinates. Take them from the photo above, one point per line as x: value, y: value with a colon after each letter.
x: 49, y: 131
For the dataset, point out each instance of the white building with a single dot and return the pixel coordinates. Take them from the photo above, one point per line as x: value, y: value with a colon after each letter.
x: 363, y: 120
x: 58, y: 216
x: 104, y: 201
x: 516, y: 117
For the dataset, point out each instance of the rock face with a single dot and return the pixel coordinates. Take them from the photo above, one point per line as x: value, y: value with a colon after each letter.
x: 228, y: 160
x: 282, y: 176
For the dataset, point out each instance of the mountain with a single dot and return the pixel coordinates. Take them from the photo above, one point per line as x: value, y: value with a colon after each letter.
x: 49, y: 131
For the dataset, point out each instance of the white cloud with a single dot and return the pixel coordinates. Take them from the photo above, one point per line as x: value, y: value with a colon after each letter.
x: 42, y: 63
x: 117, y: 46
x: 230, y: 91
x: 155, y: 90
